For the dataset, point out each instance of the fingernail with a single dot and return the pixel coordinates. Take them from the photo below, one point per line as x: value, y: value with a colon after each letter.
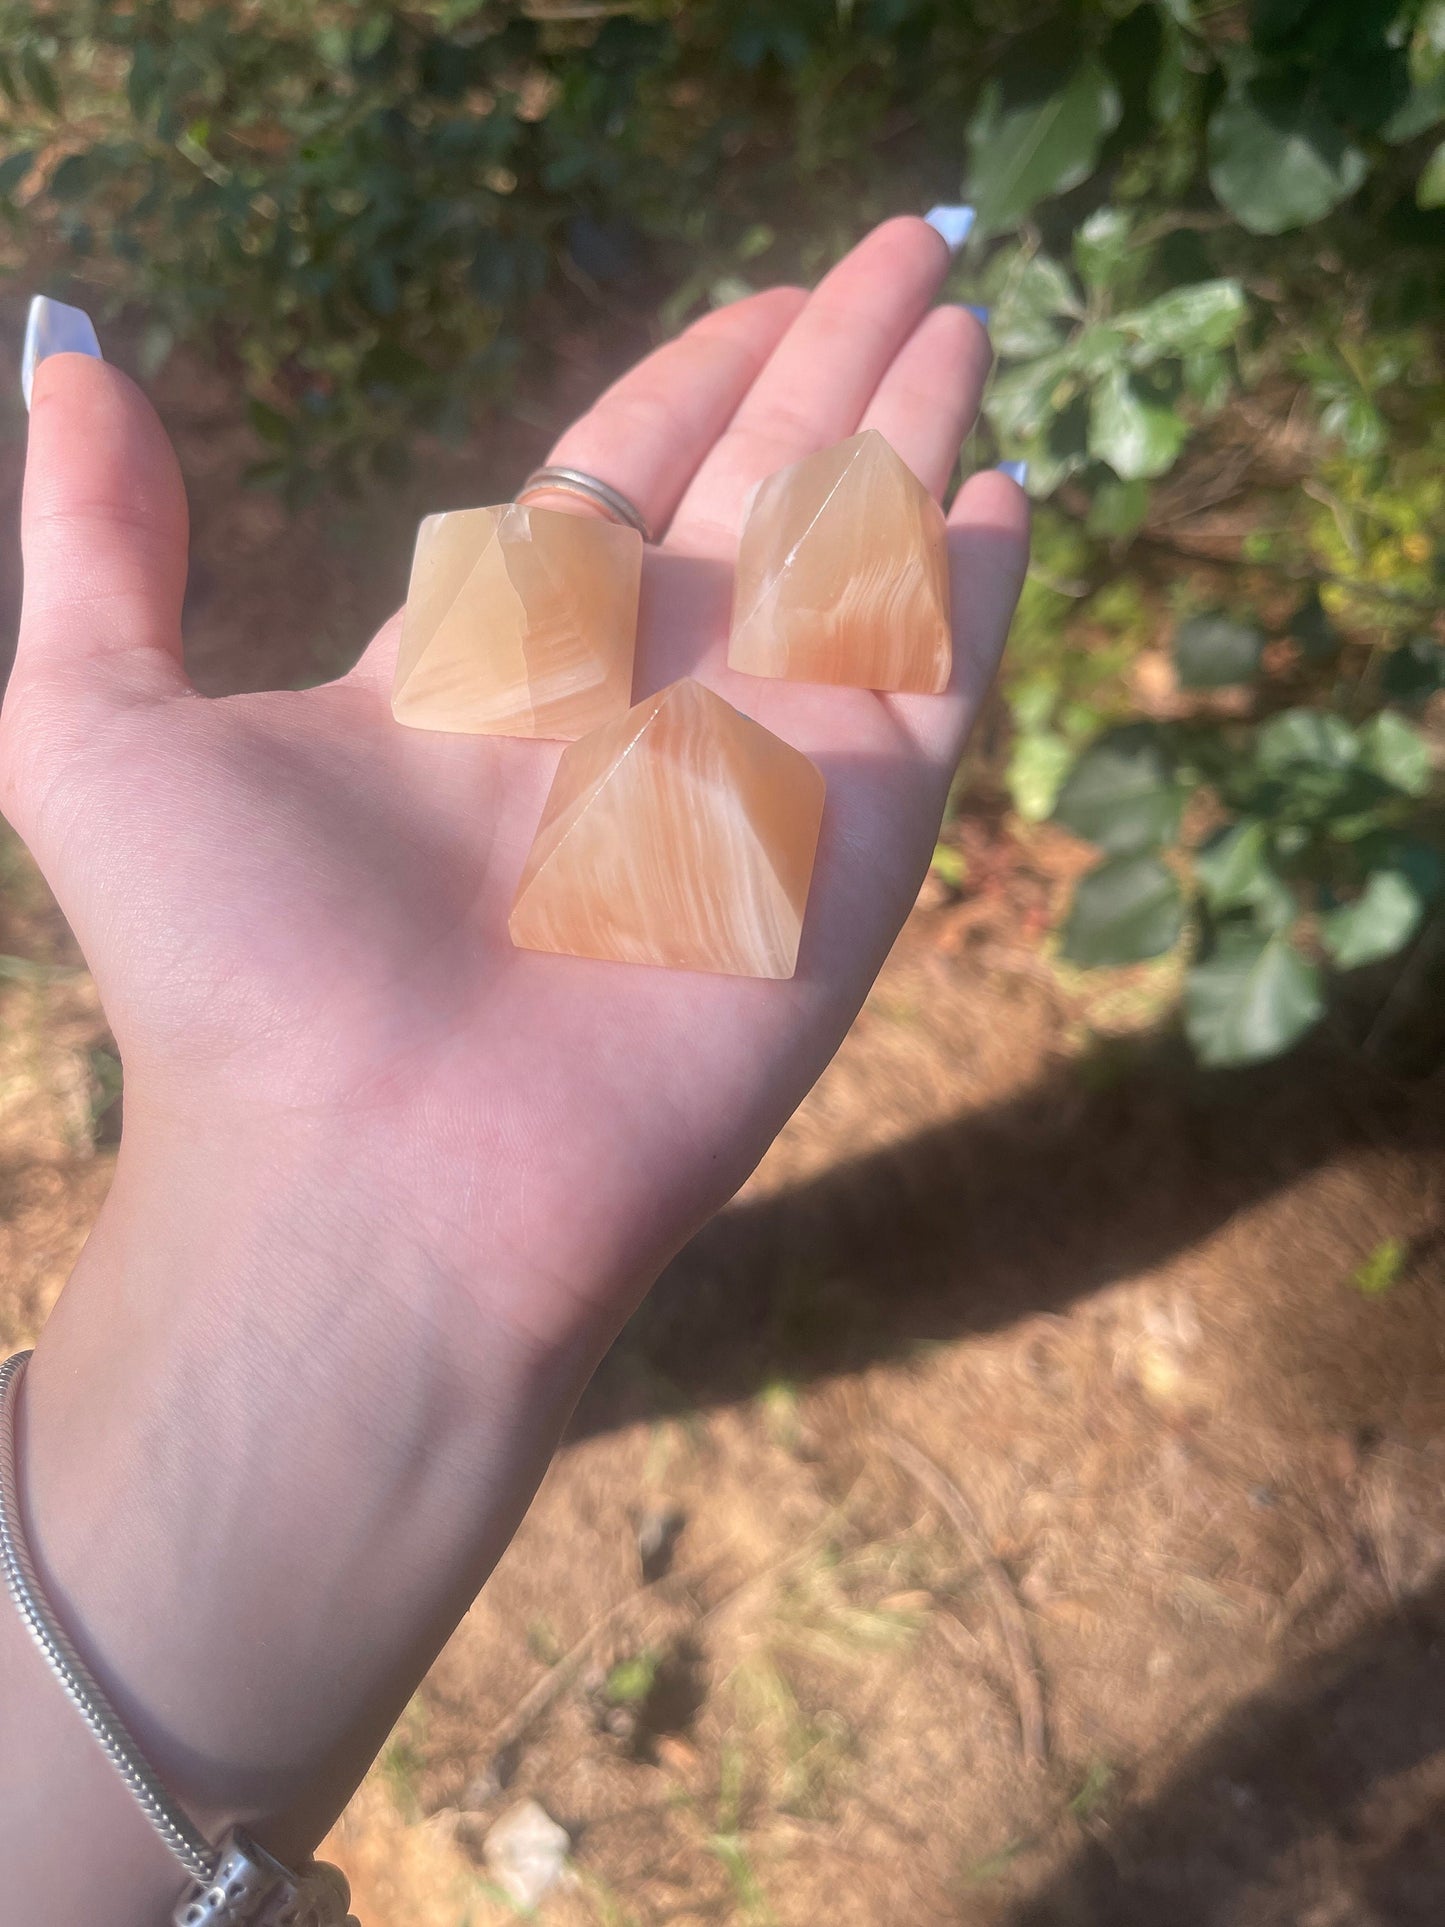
x: 979, y: 314
x: 53, y: 328
x: 955, y: 224
x: 1016, y: 472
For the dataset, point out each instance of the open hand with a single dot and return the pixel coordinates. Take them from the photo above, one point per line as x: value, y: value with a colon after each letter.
x: 387, y: 1186
x: 294, y: 906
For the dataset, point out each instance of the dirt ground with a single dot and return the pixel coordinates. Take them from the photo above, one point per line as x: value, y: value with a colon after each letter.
x: 1013, y: 1511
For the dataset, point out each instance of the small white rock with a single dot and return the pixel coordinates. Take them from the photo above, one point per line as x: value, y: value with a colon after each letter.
x: 525, y: 1852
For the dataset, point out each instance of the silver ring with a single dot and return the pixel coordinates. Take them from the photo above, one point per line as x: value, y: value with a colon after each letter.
x: 572, y: 481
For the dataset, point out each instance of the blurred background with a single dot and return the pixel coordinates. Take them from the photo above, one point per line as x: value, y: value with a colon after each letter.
x: 1023, y: 1506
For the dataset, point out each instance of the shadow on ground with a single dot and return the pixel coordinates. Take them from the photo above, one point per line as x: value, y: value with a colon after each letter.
x: 1092, y: 1175
x: 1328, y: 1788
x: 1332, y: 1782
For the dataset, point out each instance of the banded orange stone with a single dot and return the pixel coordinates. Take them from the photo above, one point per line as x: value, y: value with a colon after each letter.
x: 842, y: 574
x: 683, y: 835
x: 519, y: 622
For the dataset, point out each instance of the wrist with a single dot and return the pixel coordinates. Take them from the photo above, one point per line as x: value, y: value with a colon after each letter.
x: 273, y: 1439
x: 540, y: 1247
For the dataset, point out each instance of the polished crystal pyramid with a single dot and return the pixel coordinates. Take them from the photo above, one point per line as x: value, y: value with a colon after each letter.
x: 842, y: 574
x: 682, y: 835
x: 519, y: 622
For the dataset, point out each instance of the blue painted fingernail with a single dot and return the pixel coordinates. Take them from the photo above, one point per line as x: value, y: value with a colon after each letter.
x: 1016, y: 472
x: 979, y: 314
x: 955, y: 224
x: 54, y: 328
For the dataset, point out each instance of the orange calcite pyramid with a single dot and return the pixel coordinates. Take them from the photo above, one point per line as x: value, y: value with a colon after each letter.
x: 842, y: 574
x: 682, y: 835
x: 519, y: 622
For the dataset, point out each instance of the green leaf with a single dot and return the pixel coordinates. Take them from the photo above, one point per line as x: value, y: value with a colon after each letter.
x: 40, y: 79
x: 1030, y: 301
x: 1380, y: 921
x: 1208, y: 380
x: 269, y: 423
x: 631, y: 1680
x: 1414, y: 670
x: 1032, y: 701
x: 1423, y: 863
x: 950, y: 865
x: 1396, y: 752
x: 1430, y: 190
x: 1354, y: 420
x: 1382, y: 1270
x: 1424, y: 109
x: 1234, y: 872
x: 1137, y: 436
x: 1214, y: 651
x: 1097, y: 349
x: 1305, y: 737
x: 389, y: 365
x: 1122, y: 794
x: 1271, y: 21
x: 1190, y: 320
x: 1101, y: 246
x: 1276, y: 160
x: 1174, y: 83
x: 1232, y: 866
x: 1118, y: 508
x: 1038, y: 763
x: 13, y: 170
x: 1058, y: 452
x: 1126, y: 909
x: 1313, y: 630
x: 1024, y: 150
x: 1250, y: 999
x: 369, y: 38
x: 1022, y: 399
x: 143, y: 83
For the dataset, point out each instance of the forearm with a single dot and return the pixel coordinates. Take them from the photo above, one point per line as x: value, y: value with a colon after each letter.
x: 270, y: 1450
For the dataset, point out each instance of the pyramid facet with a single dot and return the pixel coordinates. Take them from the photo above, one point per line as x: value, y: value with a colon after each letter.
x: 519, y: 622
x: 842, y: 574
x: 682, y: 835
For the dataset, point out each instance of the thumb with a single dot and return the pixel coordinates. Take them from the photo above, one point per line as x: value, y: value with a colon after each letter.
x: 103, y: 534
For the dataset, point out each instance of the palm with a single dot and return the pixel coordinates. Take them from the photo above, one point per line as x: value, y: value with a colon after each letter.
x: 310, y: 903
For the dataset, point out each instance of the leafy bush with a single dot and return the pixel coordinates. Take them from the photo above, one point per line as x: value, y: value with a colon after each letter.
x: 1195, y: 217
x: 1297, y: 842
x: 361, y: 204
x: 1096, y: 379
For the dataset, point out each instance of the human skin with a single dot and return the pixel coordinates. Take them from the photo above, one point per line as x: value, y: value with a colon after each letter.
x: 387, y: 1186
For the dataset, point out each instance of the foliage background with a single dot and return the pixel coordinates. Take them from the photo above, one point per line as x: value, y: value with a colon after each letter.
x: 1208, y: 233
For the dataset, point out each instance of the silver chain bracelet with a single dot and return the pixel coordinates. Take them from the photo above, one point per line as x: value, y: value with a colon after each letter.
x: 235, y: 1884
